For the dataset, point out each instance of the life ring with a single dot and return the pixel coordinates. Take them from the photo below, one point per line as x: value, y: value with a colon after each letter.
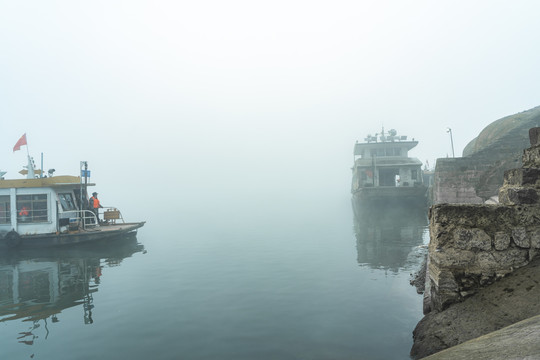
x: 12, y: 239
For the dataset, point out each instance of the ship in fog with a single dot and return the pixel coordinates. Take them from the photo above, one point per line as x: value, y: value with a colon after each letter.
x: 383, y: 172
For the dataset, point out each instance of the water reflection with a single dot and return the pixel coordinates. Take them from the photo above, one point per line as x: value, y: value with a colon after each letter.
x: 389, y: 236
x: 37, y: 285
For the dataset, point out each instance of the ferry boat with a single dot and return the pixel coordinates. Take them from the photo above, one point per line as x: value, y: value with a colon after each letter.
x: 384, y: 173
x: 53, y: 210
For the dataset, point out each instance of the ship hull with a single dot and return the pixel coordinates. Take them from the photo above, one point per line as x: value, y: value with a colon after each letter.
x: 416, y: 195
x: 69, y: 238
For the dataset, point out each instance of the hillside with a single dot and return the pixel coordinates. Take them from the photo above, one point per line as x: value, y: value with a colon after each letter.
x: 508, y: 134
x: 478, y: 175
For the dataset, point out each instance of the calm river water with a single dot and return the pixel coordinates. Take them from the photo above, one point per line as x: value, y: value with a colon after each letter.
x: 302, y: 279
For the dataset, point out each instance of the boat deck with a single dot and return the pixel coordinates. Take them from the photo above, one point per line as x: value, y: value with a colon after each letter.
x: 112, y: 227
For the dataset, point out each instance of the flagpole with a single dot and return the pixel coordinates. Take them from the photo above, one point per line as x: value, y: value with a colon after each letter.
x: 27, y: 151
x: 31, y: 174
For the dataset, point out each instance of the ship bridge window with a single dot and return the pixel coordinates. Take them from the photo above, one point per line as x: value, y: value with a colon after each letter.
x: 386, y: 152
x: 32, y: 208
x: 66, y: 200
x: 378, y: 152
x: 5, y: 210
x: 393, y: 152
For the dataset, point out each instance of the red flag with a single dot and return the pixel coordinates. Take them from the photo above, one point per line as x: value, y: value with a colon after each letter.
x: 21, y: 142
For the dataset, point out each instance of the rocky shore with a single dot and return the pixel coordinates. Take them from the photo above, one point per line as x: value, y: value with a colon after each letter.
x: 483, y: 272
x: 518, y: 341
x: 511, y: 299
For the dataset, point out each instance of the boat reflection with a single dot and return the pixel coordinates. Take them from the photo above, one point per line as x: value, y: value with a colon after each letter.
x: 36, y: 286
x: 390, y: 237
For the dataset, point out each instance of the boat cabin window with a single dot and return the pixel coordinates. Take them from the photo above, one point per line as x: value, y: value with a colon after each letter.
x: 78, y: 199
x: 5, y: 209
x: 414, y: 174
x: 32, y: 208
x: 391, y: 151
x: 66, y: 200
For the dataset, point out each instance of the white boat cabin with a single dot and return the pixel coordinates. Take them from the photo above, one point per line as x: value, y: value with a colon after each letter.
x: 41, y: 205
x: 383, y: 160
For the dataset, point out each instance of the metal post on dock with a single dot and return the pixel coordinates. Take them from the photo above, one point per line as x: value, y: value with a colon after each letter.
x: 448, y: 130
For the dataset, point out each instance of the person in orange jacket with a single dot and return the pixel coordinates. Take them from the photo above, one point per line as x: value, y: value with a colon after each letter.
x: 24, y: 213
x: 95, y: 205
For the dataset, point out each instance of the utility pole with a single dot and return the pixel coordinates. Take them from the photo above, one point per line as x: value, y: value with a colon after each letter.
x: 448, y: 130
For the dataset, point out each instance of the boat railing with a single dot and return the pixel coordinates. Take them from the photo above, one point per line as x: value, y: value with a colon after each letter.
x: 81, y: 218
x: 87, y: 218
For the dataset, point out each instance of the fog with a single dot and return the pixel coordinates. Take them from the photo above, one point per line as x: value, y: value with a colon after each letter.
x: 247, y: 101
x: 229, y: 127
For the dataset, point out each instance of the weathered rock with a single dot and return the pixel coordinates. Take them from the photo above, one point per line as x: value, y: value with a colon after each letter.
x: 469, y: 239
x: 485, y: 263
x: 510, y: 259
x: 517, y: 341
x: 531, y: 157
x: 447, y: 291
x: 534, y: 136
x: 522, y: 177
x: 533, y: 254
x: 419, y: 278
x: 505, y: 302
x: 447, y: 217
x: 461, y: 244
x: 518, y: 195
x: 501, y: 240
x: 535, y: 239
x: 519, y: 235
x: 452, y: 258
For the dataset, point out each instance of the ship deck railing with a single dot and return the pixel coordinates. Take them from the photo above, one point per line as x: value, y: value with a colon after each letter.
x: 87, y: 218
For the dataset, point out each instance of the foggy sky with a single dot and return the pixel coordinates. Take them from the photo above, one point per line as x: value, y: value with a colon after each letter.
x: 196, y: 90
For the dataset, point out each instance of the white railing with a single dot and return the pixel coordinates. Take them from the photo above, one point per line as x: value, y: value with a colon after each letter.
x: 84, y: 218
x: 87, y: 218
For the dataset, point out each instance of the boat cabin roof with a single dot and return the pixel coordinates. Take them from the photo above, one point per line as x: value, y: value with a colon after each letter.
x: 54, y: 181
x: 385, y: 162
x: 359, y: 147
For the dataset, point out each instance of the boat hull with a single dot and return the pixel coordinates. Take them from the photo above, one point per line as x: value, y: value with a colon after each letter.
x: 73, y: 237
x: 416, y: 195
